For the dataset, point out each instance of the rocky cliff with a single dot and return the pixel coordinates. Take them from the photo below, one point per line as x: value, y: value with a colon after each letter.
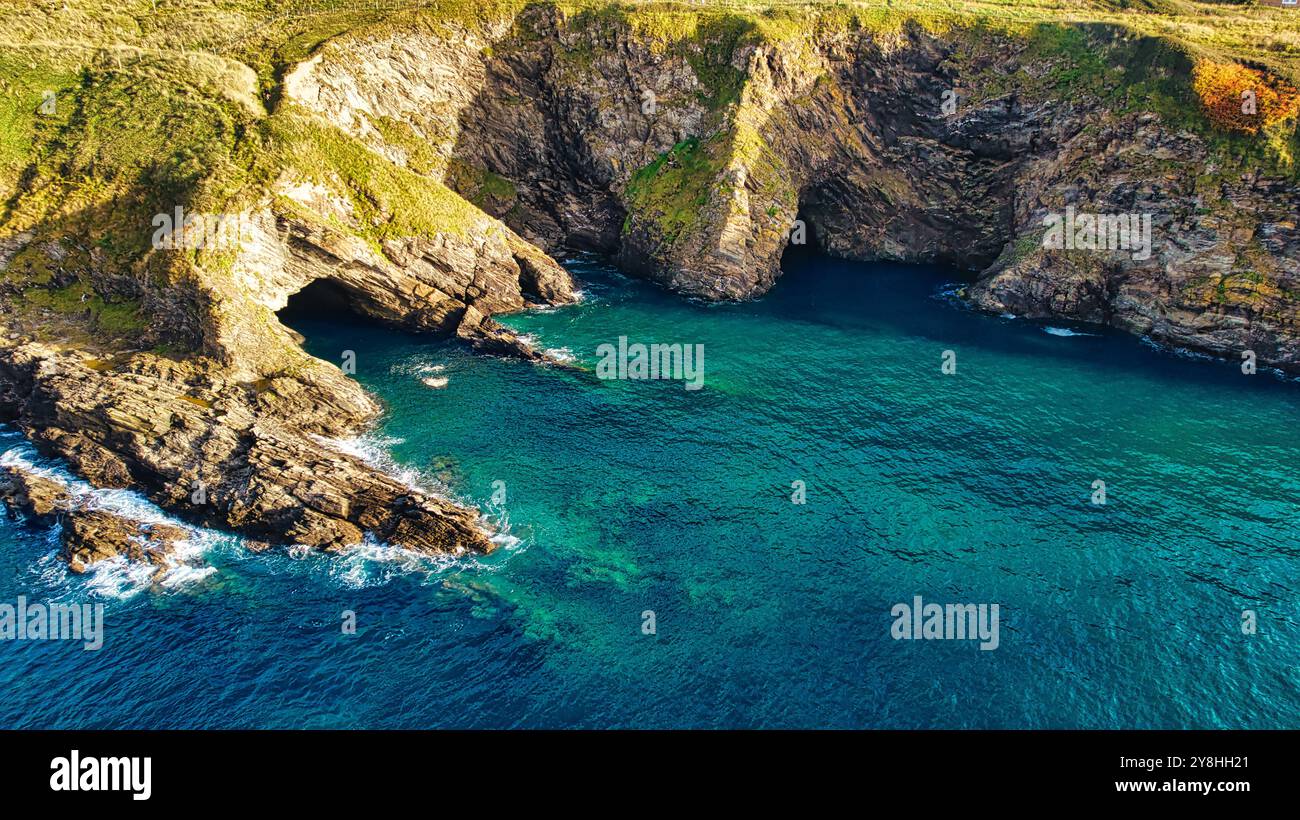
x: 953, y: 147
x: 695, y: 156
x: 426, y: 163
x: 165, y: 368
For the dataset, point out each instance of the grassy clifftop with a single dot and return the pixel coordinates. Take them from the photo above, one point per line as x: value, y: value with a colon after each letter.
x: 234, y: 52
x: 50, y: 45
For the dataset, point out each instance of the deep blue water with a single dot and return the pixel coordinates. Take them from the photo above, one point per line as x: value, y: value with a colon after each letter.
x: 628, y: 496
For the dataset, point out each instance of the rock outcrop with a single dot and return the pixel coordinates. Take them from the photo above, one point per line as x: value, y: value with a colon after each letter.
x: 251, y: 457
x: 449, y: 284
x: 238, y: 434
x: 239, y: 437
x: 88, y: 534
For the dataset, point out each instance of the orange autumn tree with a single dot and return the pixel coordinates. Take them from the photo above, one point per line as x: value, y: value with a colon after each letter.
x: 1243, y: 99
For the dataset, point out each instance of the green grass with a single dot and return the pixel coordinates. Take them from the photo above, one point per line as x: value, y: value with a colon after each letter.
x: 388, y: 201
x: 118, y: 319
x: 480, y: 186
x: 35, y: 103
x: 714, y: 47
x: 420, y: 154
x: 672, y: 189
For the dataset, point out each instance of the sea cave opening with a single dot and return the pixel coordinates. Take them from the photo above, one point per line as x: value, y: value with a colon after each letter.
x: 322, y: 308
x: 321, y: 299
x: 803, y: 243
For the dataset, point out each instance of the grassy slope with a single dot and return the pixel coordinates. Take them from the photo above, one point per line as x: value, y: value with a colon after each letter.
x: 159, y: 103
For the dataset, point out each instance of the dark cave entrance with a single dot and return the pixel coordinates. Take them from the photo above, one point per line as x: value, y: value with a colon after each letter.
x: 320, y: 306
x: 821, y: 227
x: 802, y: 228
x: 321, y: 299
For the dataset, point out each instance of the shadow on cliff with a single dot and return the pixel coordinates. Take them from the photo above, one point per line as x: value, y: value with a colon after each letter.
x: 520, y: 154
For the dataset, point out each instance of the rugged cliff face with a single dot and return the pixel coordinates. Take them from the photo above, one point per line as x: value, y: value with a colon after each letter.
x: 170, y: 373
x: 426, y: 164
x: 956, y: 147
x: 689, y: 157
x: 238, y: 435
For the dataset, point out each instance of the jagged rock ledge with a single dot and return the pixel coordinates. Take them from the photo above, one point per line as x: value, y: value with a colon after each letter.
x: 234, y: 455
x: 89, y: 534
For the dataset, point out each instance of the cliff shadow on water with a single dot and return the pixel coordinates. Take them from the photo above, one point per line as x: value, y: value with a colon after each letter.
x: 924, y: 302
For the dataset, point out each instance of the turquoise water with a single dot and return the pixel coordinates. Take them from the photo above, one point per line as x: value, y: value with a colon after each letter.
x: 623, y: 497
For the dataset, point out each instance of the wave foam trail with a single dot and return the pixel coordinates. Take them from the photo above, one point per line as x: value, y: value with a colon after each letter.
x: 1064, y: 331
x: 117, y: 577
x: 374, y: 563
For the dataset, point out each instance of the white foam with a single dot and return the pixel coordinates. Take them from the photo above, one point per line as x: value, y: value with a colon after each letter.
x: 50, y: 571
x: 505, y: 541
x: 117, y: 577
x: 1180, y: 352
x: 374, y: 563
x: 184, y: 575
x: 120, y: 578
x: 1065, y: 331
x: 374, y: 451
x: 417, y: 366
